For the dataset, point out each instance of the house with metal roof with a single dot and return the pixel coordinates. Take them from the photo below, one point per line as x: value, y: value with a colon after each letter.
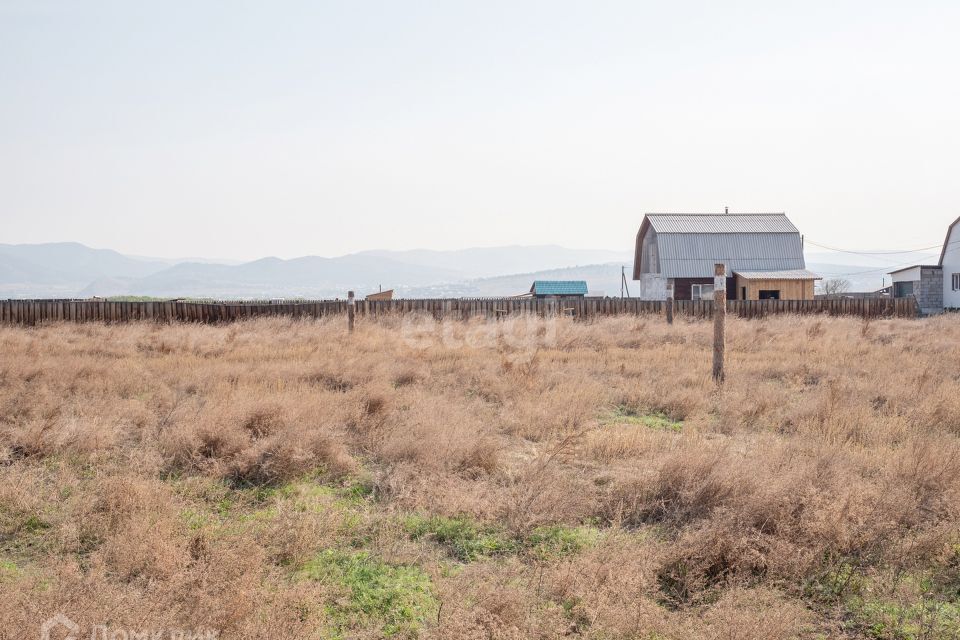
x: 762, y: 252
x: 936, y: 287
x: 550, y: 288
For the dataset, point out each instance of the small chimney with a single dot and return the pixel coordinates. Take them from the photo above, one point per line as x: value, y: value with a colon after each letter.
x: 726, y: 209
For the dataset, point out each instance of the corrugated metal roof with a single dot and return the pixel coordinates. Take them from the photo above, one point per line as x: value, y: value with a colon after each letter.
x: 559, y: 287
x: 789, y: 274
x: 721, y: 223
x: 693, y: 255
x: 915, y: 266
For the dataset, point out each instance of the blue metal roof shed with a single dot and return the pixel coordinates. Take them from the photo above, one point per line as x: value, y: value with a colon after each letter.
x: 559, y: 288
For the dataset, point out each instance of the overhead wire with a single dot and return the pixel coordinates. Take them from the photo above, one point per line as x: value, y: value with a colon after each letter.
x: 872, y: 253
x: 942, y: 246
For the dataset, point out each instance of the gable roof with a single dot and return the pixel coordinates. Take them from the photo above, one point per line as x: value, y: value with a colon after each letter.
x: 946, y: 242
x: 788, y: 274
x: 914, y: 266
x: 690, y: 244
x: 721, y: 223
x: 559, y: 288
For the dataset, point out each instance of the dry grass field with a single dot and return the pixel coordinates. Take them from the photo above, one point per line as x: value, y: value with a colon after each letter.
x: 282, y: 479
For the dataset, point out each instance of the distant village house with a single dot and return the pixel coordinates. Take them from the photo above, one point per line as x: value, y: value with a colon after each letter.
x: 381, y: 295
x: 558, y: 288
x: 762, y: 252
x: 935, y: 287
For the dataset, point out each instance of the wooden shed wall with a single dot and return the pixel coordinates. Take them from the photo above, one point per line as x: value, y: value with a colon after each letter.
x: 789, y: 289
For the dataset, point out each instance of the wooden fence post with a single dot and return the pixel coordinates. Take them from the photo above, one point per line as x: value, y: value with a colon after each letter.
x: 351, y: 308
x: 670, y: 304
x: 719, y: 321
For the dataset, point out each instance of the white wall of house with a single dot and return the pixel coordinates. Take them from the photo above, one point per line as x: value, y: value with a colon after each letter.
x: 653, y: 286
x: 650, y: 259
x: 924, y: 284
x: 951, y: 266
x: 906, y: 282
x: 907, y: 275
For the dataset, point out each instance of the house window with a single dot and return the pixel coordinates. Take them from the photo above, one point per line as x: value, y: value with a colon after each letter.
x: 956, y: 281
x: 902, y: 289
x: 701, y: 292
x: 769, y: 294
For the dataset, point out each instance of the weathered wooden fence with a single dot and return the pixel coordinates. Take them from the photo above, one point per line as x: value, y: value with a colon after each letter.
x: 31, y: 312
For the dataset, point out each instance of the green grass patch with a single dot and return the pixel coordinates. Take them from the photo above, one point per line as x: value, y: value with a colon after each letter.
x: 465, y: 539
x: 398, y: 599
x: 656, y: 420
x: 23, y: 536
x: 835, y: 584
x: 196, y: 520
x: 357, y: 490
x: 887, y: 620
x: 220, y: 508
x: 9, y: 570
x: 352, y: 491
x: 34, y: 524
x: 558, y: 541
x: 914, y: 607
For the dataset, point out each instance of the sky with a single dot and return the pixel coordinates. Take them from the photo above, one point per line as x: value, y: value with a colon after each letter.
x: 244, y: 129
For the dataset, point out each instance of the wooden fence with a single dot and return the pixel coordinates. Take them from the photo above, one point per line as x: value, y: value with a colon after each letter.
x: 32, y: 312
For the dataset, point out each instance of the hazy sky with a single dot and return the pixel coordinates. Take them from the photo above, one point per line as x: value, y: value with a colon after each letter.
x: 243, y: 129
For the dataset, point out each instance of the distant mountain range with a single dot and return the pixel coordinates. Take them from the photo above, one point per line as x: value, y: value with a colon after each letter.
x: 73, y: 270
x: 64, y: 268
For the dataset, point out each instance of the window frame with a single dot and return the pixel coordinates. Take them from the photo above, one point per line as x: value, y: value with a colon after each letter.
x: 699, y: 289
x: 899, y: 289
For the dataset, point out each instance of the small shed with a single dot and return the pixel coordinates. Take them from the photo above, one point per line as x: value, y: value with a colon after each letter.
x: 555, y: 288
x: 789, y: 284
x: 923, y: 282
x: 381, y: 295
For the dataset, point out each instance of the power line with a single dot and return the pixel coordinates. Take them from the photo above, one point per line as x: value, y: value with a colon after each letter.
x: 879, y: 269
x: 946, y: 247
x: 873, y: 253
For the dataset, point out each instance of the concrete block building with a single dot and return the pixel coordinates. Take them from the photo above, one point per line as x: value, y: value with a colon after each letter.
x: 923, y: 282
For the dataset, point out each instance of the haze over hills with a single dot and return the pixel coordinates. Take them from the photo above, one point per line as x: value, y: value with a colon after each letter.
x: 64, y: 268
x: 74, y: 270
x: 487, y: 262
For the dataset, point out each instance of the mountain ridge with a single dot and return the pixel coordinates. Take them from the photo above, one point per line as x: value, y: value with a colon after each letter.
x: 74, y: 270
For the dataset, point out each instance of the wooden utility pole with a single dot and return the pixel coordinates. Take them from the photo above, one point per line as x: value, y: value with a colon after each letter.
x: 351, y: 310
x: 719, y: 320
x: 670, y: 304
